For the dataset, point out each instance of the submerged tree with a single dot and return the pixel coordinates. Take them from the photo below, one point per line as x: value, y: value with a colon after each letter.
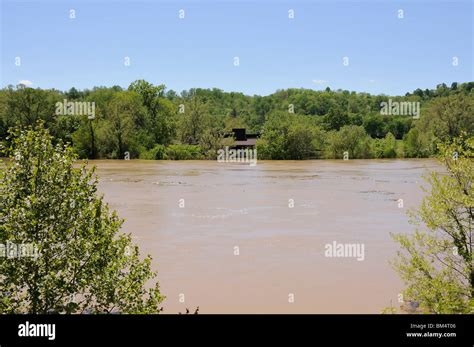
x: 83, y: 264
x: 436, y: 263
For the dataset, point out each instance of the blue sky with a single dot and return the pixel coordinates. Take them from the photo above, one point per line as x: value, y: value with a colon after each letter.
x: 386, y: 54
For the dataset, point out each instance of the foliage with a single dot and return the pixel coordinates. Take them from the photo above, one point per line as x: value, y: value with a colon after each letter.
x: 183, y: 152
x: 287, y: 136
x: 436, y: 262
x: 156, y: 153
x: 448, y: 117
x: 294, y: 123
x: 351, y: 139
x: 84, y: 264
x: 386, y: 147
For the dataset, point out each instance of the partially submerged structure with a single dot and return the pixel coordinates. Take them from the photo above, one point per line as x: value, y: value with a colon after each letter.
x: 244, y: 140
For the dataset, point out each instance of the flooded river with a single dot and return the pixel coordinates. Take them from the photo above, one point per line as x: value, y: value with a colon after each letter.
x: 235, y: 238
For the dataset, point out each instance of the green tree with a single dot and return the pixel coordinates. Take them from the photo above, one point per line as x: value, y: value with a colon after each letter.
x: 83, y: 263
x: 445, y: 113
x: 374, y: 126
x: 25, y: 106
x: 160, y: 110
x: 417, y: 144
x: 85, y: 138
x: 336, y: 118
x: 385, y: 148
x: 125, y: 112
x: 436, y: 262
x: 399, y: 126
x: 299, y: 141
x: 352, y: 139
x: 390, y: 146
x: 272, y: 144
x: 193, y: 121
x: 448, y: 117
x: 212, y: 140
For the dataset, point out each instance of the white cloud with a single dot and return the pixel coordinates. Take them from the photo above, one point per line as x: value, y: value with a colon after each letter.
x: 372, y: 81
x: 25, y: 82
x: 319, y: 81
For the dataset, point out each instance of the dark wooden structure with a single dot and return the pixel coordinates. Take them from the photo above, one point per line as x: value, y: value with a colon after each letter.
x: 244, y: 140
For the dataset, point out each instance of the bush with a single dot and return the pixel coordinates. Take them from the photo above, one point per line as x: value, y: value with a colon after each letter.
x: 435, y: 262
x: 184, y: 152
x: 352, y: 139
x: 80, y: 263
x: 290, y: 137
x: 385, y: 148
x: 156, y: 153
x: 417, y: 145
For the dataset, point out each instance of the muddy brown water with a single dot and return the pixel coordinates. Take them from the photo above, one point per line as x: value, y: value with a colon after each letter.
x: 225, y: 237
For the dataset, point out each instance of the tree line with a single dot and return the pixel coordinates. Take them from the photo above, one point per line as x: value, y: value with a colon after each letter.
x: 148, y: 121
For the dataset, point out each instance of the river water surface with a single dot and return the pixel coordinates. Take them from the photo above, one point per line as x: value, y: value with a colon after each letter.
x: 235, y: 238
